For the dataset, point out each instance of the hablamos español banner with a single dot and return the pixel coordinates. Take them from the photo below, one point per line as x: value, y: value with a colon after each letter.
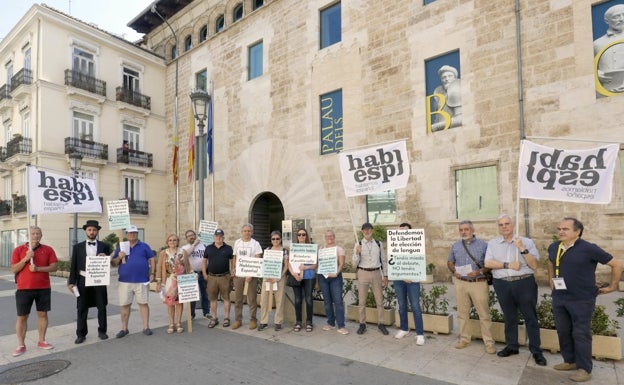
x: 374, y: 169
x: 50, y: 193
x: 582, y: 176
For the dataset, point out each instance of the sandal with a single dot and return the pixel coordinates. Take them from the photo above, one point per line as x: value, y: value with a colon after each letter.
x: 226, y: 322
x: 308, y: 328
x: 170, y: 329
x: 179, y: 328
x: 214, y: 322
x: 297, y: 327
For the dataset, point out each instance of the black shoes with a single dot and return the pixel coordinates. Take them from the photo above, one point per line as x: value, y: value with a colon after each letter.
x: 103, y: 336
x: 382, y: 329
x: 508, y: 352
x: 122, y: 334
x: 79, y: 340
x: 539, y: 359
x: 361, y: 329
x: 261, y: 327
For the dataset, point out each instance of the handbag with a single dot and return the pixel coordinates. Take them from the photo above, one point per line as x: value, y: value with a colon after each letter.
x: 488, y: 274
x: 292, y: 281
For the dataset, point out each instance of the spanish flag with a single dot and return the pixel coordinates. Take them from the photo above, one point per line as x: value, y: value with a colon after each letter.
x: 191, y: 144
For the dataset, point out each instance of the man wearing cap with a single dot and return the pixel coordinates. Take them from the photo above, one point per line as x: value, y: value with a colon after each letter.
x: 216, y: 271
x: 196, y: 251
x: 245, y: 246
x: 88, y: 296
x: 136, y: 270
x: 372, y: 273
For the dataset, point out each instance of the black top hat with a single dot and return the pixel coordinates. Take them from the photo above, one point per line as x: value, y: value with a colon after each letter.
x: 92, y: 223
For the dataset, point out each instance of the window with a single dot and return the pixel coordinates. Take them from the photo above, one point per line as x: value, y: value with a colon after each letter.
x: 331, y: 25
x: 381, y: 208
x: 8, y: 191
x: 83, y: 126
x: 131, y: 135
x: 6, y: 247
x: 476, y: 193
x: 201, y: 80
x: 220, y: 24
x: 257, y: 4
x: 26, y: 124
x: 331, y: 122
x: 8, y: 131
x: 188, y: 42
x: 133, y: 187
x: 131, y: 80
x: 27, y: 59
x: 83, y: 62
x: 174, y: 52
x: 255, y: 60
x: 23, y: 180
x: 9, y: 75
x: 237, y: 13
x: 203, y: 33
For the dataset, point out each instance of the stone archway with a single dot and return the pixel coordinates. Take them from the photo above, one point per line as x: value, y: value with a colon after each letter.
x: 267, y: 214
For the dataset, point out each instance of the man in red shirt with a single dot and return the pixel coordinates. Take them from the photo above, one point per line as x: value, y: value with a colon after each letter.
x: 32, y: 265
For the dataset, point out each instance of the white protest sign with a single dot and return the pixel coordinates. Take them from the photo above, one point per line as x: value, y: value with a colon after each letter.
x: 248, y: 267
x: 118, y: 214
x: 328, y: 261
x: 272, y: 264
x: 206, y: 231
x: 305, y: 253
x: 188, y: 289
x: 97, y: 270
x: 406, y: 255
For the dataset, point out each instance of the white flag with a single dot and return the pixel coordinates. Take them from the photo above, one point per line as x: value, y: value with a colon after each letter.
x: 375, y: 169
x: 582, y: 176
x: 50, y: 193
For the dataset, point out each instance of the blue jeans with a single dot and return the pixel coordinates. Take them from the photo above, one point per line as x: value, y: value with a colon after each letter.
x: 203, y: 295
x: 411, y: 291
x: 332, y: 297
x: 305, y: 290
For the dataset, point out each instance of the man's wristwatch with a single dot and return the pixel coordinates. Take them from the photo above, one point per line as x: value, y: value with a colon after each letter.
x: 525, y: 251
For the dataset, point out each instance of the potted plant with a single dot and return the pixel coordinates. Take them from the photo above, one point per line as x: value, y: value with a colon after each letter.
x: 498, y: 322
x: 389, y: 304
x: 434, y: 306
x: 546, y: 319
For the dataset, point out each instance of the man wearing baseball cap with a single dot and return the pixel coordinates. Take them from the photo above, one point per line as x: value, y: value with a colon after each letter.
x: 136, y: 270
x: 216, y: 271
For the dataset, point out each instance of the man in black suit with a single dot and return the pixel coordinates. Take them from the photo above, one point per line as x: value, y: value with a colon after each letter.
x: 89, y: 296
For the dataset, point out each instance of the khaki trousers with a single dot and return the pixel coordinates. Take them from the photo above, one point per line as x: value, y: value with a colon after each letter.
x: 370, y: 280
x: 252, y: 298
x: 469, y: 294
x: 279, y: 302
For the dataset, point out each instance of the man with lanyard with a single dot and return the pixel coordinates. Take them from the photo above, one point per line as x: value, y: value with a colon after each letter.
x: 572, y: 267
x: 196, y: 251
x: 88, y: 296
x: 245, y: 246
x: 466, y: 263
x: 372, y: 273
x: 513, y: 260
x: 216, y: 272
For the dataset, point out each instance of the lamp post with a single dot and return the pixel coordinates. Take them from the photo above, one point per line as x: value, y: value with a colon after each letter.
x: 75, y: 162
x: 199, y: 100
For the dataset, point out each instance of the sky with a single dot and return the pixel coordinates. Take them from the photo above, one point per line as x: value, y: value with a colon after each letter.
x: 110, y: 15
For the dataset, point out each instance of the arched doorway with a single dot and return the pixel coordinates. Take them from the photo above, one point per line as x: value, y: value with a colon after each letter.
x: 267, y: 214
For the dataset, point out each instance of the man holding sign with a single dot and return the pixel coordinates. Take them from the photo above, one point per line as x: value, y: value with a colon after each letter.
x: 88, y: 296
x: 246, y: 246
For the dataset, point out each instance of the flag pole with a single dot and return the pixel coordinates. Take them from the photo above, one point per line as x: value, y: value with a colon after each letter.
x: 211, y: 149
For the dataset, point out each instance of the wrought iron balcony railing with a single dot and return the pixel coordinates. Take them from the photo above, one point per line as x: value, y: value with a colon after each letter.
x: 18, y: 145
x: 23, y: 76
x: 134, y: 157
x: 138, y: 207
x: 5, y: 208
x: 20, y: 204
x: 89, y: 83
x: 134, y: 98
x: 87, y: 148
x: 5, y: 92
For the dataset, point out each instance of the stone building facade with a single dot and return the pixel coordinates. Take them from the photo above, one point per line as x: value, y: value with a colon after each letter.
x: 527, y: 70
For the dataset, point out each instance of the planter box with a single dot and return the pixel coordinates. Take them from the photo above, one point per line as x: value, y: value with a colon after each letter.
x: 603, y: 347
x: 428, y: 279
x: 351, y: 276
x: 371, y: 315
x: 318, y: 307
x: 437, y: 324
x: 621, y: 285
x: 498, y: 331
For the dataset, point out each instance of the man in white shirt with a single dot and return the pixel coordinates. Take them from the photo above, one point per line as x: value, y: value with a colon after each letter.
x: 196, y: 251
x: 245, y: 246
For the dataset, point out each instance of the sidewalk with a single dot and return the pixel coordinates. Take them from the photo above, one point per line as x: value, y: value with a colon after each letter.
x: 437, y: 359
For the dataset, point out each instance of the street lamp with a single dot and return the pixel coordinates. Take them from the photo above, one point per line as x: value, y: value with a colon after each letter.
x: 75, y: 162
x: 199, y: 100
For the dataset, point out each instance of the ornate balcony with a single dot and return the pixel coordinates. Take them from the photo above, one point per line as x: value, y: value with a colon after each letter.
x: 138, y: 207
x: 134, y: 98
x: 86, y: 148
x: 18, y: 145
x: 3, y: 154
x: 5, y: 92
x: 23, y: 76
x: 135, y: 157
x: 20, y: 204
x: 85, y: 82
x: 5, y: 208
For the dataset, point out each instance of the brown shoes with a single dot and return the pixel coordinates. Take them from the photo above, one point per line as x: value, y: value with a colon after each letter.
x: 565, y: 366
x: 236, y: 325
x: 253, y: 324
x: 581, y: 376
x: 461, y: 344
x: 490, y: 348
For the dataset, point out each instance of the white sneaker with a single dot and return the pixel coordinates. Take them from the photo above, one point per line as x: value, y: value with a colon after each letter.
x: 420, y: 340
x: 401, y: 333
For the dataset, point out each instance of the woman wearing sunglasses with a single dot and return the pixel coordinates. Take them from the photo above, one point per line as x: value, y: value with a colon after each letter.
x: 306, y: 274
x: 265, y: 309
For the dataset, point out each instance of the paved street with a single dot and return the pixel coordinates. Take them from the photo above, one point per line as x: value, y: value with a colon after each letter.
x: 244, y: 356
